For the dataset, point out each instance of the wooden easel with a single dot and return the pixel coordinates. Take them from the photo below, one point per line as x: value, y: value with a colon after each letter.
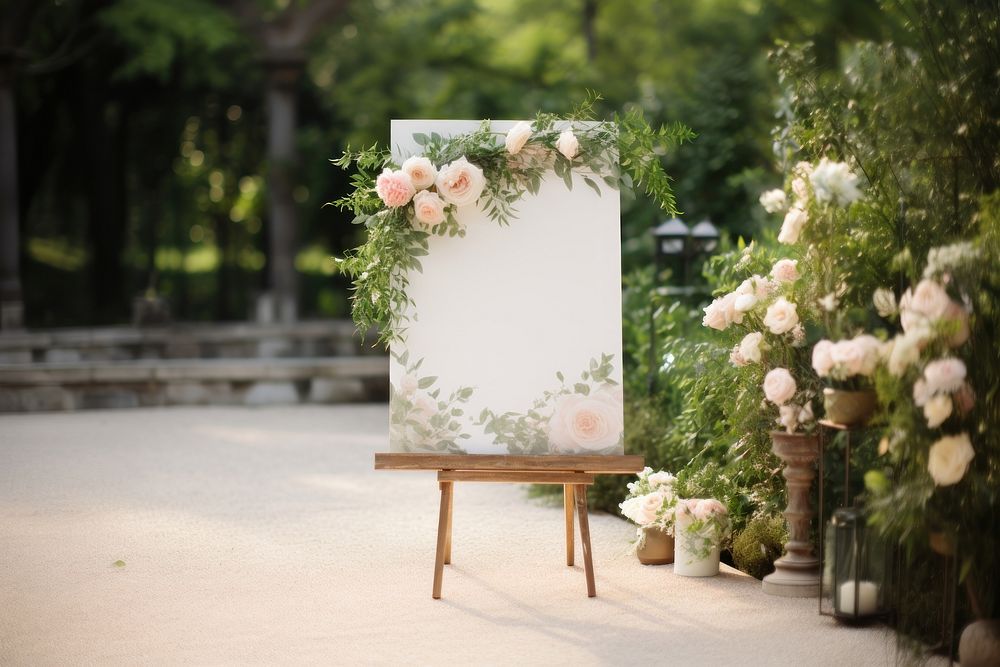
x: 574, y: 473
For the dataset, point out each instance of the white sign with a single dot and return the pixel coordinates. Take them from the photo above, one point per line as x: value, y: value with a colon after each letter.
x: 514, y: 343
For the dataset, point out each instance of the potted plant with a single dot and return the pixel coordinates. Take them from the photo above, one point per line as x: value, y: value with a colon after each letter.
x: 701, y: 526
x: 848, y: 365
x: 650, y: 505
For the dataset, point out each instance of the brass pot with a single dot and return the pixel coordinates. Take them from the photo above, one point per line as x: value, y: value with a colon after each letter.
x: 655, y: 547
x: 849, y: 408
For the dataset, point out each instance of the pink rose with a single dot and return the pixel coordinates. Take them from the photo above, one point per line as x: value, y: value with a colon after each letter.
x: 755, y: 285
x: 779, y: 386
x: 785, y: 270
x: 822, y: 359
x: 708, y: 507
x: 421, y: 171
x: 749, y: 347
x: 394, y: 188
x: 460, y: 182
x: 586, y: 423
x: 781, y: 316
x: 428, y: 208
x: 736, y: 357
x: 944, y: 375
x: 722, y: 312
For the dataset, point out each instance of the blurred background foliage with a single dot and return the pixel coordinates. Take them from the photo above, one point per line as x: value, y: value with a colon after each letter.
x: 142, y: 128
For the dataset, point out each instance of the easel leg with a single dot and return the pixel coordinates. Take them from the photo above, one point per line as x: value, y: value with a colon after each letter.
x: 588, y: 561
x: 442, y: 537
x: 568, y: 504
x: 447, y: 544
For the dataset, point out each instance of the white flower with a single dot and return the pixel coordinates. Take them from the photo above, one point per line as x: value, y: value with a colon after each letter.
x: 568, y: 144
x: 788, y: 416
x: 785, y: 270
x: 781, y: 316
x: 779, y: 386
x: 661, y: 479
x: 643, y: 509
x: 736, y: 357
x: 428, y: 208
x: 460, y: 182
x: 795, y: 220
x: 722, y: 312
x: 758, y: 286
x: 750, y: 346
x: 744, y: 302
x: 885, y: 302
x: 806, y: 414
x: 944, y: 375
x: 904, y: 352
x: 834, y: 182
x: 822, y: 359
x: 421, y: 171
x: 517, y: 137
x: 586, y: 423
x: 937, y: 409
x: 774, y: 201
x: 949, y: 459
x: 857, y: 356
x: 921, y: 392
x: 800, y: 190
x: 829, y: 302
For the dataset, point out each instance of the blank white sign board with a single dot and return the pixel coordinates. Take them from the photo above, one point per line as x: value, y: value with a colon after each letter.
x: 501, y: 314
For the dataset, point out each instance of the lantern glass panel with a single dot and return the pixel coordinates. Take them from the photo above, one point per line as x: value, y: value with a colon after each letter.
x: 858, y: 567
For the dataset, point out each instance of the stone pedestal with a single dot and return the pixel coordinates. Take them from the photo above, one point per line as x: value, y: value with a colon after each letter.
x: 797, y: 573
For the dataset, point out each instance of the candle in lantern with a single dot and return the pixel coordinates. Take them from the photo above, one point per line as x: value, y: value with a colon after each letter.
x: 867, y: 598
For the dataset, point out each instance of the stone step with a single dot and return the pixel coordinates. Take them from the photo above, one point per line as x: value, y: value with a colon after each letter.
x: 77, y: 385
x: 184, y: 340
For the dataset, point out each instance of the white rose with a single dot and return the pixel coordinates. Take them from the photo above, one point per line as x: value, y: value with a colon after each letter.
x: 834, y: 182
x: 517, y: 137
x: 788, y: 416
x: 937, y: 409
x: 870, y: 347
x: 847, y: 357
x: 921, y: 392
x: 905, y: 352
x: 630, y: 508
x: 829, y: 302
x: 755, y: 285
x: 927, y: 303
x: 822, y: 360
x: 715, y: 316
x: 800, y: 190
x: 795, y: 220
x: 781, y: 316
x: 736, y: 357
x: 744, y: 303
x: 661, y: 478
x: 421, y: 171
x: 774, y: 201
x: 568, y: 144
x: 944, y: 375
x: 949, y: 459
x: 586, y: 423
x: 785, y: 270
x: 779, y: 386
x: 428, y: 208
x: 885, y: 302
x: 750, y: 346
x: 460, y: 182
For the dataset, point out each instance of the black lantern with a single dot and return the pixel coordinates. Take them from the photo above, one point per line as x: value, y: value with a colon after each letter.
x: 704, y: 237
x: 856, y: 576
x: 671, y: 240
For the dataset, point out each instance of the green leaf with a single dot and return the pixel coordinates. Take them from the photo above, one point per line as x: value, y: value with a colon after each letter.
x: 427, y: 381
x: 421, y: 139
x: 581, y: 388
x: 119, y: 563
x: 560, y: 376
x: 593, y: 186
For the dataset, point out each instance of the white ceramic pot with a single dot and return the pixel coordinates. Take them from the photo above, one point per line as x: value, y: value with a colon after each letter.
x: 687, y: 564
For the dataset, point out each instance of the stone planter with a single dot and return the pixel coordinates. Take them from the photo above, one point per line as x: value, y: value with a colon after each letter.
x: 850, y: 408
x: 797, y: 573
x: 655, y: 547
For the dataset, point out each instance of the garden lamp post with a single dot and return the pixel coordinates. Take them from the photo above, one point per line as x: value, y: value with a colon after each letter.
x: 676, y: 242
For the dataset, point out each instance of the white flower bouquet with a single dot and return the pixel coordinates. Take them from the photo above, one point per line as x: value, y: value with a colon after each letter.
x: 650, y: 502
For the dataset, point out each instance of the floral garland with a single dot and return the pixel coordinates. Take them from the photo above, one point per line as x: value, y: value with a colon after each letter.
x: 401, y: 205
